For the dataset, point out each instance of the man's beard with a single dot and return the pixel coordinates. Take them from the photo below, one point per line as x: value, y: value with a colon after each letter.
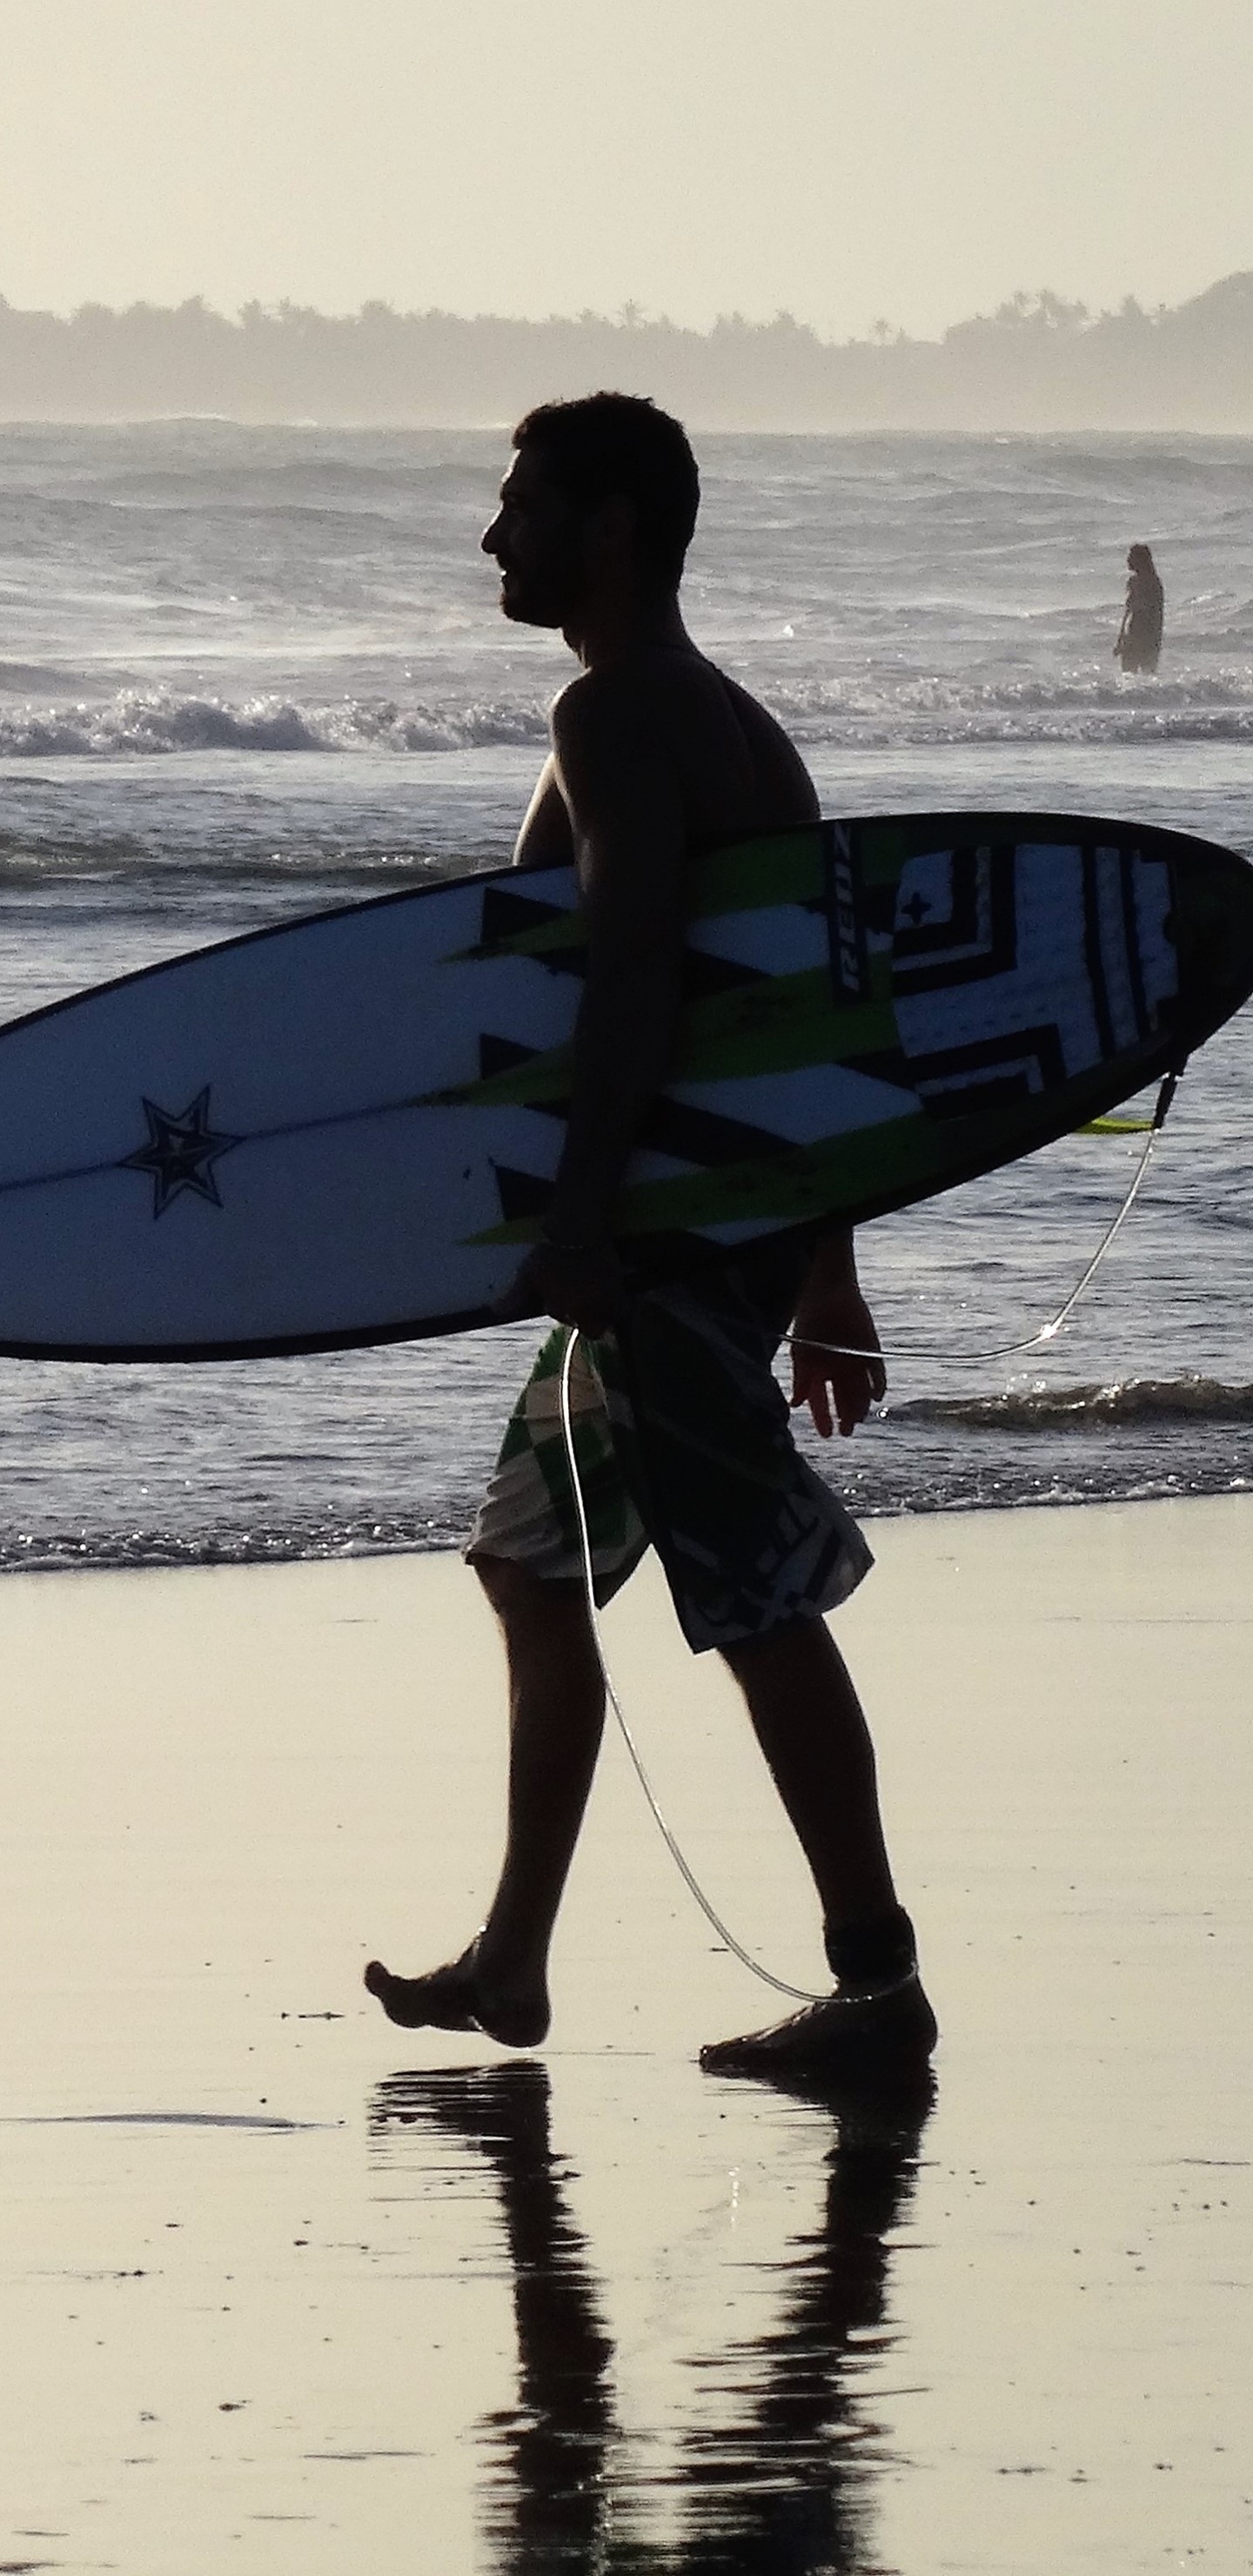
x: 548, y: 594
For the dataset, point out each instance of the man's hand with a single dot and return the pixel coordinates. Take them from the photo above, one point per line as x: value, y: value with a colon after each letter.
x: 583, y: 1287
x: 832, y: 1309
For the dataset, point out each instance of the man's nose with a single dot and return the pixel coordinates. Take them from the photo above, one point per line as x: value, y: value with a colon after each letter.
x: 491, y: 533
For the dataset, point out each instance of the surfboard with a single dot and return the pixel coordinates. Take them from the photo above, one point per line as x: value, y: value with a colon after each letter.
x: 344, y: 1129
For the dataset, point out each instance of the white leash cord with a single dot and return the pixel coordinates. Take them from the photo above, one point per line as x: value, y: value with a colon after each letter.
x: 958, y: 1351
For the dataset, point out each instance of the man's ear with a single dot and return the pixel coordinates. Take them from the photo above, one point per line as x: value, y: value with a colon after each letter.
x: 613, y: 526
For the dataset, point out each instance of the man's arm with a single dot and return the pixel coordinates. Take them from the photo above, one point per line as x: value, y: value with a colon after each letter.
x: 621, y: 789
x: 833, y: 1310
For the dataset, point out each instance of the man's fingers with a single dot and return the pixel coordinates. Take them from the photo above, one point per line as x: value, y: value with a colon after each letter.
x: 837, y: 1367
x: 843, y: 1392
x: 856, y: 1388
x: 809, y: 1386
x: 838, y: 1387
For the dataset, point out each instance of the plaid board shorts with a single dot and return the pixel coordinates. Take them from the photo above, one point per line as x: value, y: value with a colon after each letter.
x: 684, y: 1442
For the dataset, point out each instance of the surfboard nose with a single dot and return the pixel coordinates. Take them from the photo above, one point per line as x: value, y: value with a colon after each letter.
x: 1213, y: 931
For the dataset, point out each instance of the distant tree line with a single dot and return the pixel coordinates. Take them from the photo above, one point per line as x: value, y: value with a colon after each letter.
x: 1038, y: 363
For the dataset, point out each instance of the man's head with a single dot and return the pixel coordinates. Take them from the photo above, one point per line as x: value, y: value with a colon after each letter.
x: 604, y: 488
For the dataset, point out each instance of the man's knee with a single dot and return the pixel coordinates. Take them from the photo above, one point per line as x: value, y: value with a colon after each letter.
x: 802, y: 1634
x: 507, y: 1584
x: 518, y: 1594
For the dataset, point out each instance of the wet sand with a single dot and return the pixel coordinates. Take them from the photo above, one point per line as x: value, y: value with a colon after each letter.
x: 287, y: 2289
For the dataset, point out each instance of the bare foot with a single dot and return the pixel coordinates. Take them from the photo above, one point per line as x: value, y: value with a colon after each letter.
x: 884, y: 2034
x: 459, y: 1997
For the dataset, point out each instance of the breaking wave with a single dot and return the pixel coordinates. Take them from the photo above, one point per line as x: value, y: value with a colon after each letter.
x: 1066, y: 708
x: 1130, y: 1403
x: 136, y: 722
x: 1074, y: 707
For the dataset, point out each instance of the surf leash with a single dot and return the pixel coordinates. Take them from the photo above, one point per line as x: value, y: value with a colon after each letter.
x: 956, y: 1351
x: 1005, y: 1350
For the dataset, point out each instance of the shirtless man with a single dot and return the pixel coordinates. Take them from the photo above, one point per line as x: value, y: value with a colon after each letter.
x: 681, y: 1432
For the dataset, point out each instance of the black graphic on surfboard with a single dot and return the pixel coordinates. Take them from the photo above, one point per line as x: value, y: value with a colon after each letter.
x: 181, y: 1151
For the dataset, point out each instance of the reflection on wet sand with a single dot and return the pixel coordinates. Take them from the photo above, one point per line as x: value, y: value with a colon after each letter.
x: 550, y: 2510
x: 785, y: 2485
x: 778, y: 2478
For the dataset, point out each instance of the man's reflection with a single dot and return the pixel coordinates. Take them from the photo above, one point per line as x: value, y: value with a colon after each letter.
x: 550, y: 2507
x: 786, y: 2488
x: 779, y: 2479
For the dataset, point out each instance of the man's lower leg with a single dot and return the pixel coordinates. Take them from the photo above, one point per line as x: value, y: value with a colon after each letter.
x: 556, y: 1720
x: 809, y: 1723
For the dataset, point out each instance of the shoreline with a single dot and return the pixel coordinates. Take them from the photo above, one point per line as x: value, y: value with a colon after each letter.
x: 881, y: 1516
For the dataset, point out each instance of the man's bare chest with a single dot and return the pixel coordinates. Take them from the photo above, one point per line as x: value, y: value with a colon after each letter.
x: 545, y: 840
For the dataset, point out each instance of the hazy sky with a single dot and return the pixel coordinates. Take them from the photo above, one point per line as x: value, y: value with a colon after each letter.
x: 846, y: 159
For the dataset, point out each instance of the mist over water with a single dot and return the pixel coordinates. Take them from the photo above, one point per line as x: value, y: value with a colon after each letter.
x: 248, y: 673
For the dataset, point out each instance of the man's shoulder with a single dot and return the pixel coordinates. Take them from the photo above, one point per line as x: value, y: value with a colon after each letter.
x: 620, y: 705
x: 636, y: 678
x: 651, y: 691
x: 673, y: 726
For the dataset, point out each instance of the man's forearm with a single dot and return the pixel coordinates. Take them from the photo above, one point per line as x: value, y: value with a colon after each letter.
x: 833, y: 1269
x: 624, y: 1044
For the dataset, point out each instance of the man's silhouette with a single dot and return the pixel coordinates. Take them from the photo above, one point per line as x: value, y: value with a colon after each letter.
x: 682, y: 1432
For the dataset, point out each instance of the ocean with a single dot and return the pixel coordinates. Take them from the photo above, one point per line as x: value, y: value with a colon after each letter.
x: 250, y: 673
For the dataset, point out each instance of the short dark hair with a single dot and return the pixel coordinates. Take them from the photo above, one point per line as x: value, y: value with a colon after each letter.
x: 609, y: 443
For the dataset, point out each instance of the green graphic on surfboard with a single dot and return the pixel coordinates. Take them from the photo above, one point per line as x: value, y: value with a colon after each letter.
x: 980, y: 981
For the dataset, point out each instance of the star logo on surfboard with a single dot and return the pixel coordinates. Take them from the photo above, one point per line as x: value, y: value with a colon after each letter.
x: 181, y: 1151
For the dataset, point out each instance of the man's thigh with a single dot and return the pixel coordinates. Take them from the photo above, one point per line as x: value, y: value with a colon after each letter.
x: 750, y: 1536
x: 528, y: 1517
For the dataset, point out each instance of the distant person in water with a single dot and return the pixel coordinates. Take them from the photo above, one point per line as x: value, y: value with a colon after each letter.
x: 1139, y: 641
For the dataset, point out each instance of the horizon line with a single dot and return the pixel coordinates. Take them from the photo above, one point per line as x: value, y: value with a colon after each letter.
x: 1041, y: 305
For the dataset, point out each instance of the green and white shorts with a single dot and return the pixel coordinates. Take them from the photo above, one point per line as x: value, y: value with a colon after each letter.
x: 683, y: 1441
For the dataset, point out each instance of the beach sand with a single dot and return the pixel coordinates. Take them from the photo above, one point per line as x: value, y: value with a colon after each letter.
x: 287, y: 2289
